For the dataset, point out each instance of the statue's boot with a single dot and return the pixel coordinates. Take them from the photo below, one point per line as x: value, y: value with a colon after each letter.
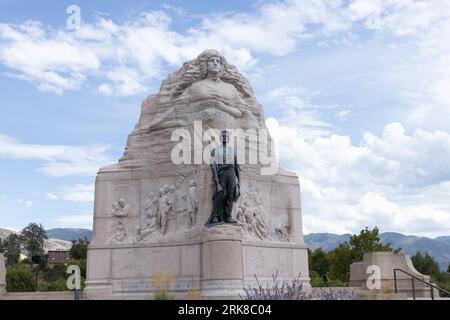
x: 229, y: 219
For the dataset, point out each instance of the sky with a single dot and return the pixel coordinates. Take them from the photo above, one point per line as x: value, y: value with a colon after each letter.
x: 356, y: 95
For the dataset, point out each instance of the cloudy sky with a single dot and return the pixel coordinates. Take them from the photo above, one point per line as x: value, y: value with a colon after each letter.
x: 356, y: 94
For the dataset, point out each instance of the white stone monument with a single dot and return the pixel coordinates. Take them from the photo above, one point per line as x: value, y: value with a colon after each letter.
x: 380, y: 266
x: 2, y: 275
x: 150, y: 212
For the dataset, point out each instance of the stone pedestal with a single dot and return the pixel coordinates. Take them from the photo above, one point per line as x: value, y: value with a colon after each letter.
x: 387, y: 262
x: 222, y: 264
x: 2, y: 275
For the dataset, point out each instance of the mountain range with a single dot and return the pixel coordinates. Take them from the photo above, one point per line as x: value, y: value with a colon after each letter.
x: 439, y: 247
x: 67, y: 234
x: 58, y: 239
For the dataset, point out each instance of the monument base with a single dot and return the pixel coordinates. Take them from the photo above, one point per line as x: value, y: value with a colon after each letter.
x: 216, y: 266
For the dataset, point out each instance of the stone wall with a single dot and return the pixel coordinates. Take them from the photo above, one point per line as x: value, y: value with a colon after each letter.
x: 2, y: 275
x: 387, y: 262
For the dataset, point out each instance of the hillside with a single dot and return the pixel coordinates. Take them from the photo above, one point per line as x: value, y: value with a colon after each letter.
x: 439, y: 248
x: 69, y: 234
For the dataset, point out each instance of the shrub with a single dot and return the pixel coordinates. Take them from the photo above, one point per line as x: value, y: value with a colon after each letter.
x: 57, y: 285
x: 316, y: 279
x: 337, y: 294
x: 80, y: 263
x: 19, y: 279
x: 162, y: 283
x: 277, y: 290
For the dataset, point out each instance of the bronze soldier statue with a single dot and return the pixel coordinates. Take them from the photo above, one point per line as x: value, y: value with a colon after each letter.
x: 225, y: 171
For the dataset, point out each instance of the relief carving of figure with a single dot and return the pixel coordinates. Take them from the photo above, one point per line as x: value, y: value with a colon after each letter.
x: 151, y: 222
x: 214, y: 90
x: 120, y: 233
x: 165, y: 207
x: 120, y: 208
x: 192, y: 202
x: 250, y: 214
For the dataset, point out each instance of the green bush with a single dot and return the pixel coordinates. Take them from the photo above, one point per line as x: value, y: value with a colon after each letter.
x: 57, y: 285
x: 19, y: 279
x: 337, y: 283
x: 316, y: 279
x: 80, y: 263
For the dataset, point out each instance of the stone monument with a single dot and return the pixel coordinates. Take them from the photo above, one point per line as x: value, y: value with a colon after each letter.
x: 152, y: 207
x: 386, y: 262
x: 2, y: 275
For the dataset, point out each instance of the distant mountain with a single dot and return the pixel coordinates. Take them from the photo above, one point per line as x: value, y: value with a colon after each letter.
x: 4, y: 233
x: 326, y: 241
x: 69, y: 234
x: 439, y: 248
x: 443, y: 239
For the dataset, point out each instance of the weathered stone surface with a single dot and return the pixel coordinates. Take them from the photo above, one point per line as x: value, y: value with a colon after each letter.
x: 387, y: 262
x: 2, y: 275
x: 149, y: 213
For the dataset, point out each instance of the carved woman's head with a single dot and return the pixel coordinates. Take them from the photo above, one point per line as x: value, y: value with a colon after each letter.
x: 213, y: 67
x: 211, y: 63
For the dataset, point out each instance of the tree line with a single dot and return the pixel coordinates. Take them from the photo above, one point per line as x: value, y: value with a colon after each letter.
x: 333, y: 268
x: 34, y: 273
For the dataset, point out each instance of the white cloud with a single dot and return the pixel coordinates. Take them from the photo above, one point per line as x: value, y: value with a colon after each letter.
x: 125, y: 55
x: 343, y: 114
x: 389, y: 181
x: 75, y: 221
x: 26, y: 203
x: 76, y: 193
x: 59, y: 160
x: 130, y: 53
x: 297, y: 110
x: 51, y: 59
x: 123, y: 82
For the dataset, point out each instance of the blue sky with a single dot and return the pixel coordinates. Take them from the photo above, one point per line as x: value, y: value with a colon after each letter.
x: 356, y: 95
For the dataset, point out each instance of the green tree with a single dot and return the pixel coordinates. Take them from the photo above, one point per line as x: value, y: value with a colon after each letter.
x: 19, y: 279
x: 319, y: 261
x: 78, y: 250
x: 353, y: 250
x: 2, y: 247
x: 12, y: 245
x: 340, y: 260
x: 33, y: 237
x: 426, y: 265
x: 368, y: 241
x: 448, y: 268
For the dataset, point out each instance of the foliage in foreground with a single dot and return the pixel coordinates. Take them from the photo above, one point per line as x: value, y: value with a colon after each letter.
x: 294, y: 290
x: 19, y: 279
x: 162, y: 283
x: 426, y: 264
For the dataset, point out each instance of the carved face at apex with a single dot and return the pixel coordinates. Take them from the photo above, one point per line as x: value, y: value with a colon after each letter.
x: 214, y: 66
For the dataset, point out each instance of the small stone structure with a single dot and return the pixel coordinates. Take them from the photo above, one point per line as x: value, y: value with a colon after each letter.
x: 387, y: 262
x: 2, y: 275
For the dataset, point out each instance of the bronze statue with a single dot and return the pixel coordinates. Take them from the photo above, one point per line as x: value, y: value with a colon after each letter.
x: 225, y: 170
